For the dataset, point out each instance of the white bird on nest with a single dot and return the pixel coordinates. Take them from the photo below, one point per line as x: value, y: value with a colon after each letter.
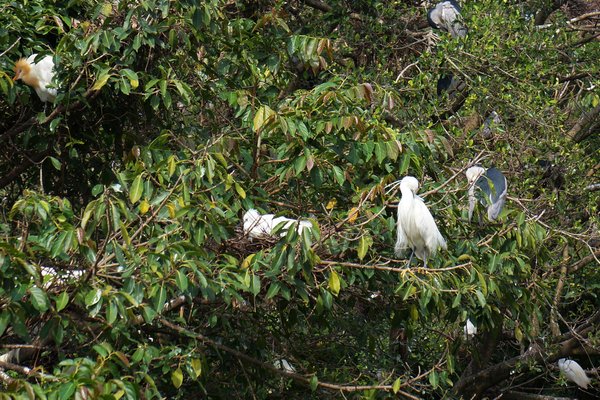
x: 258, y: 225
x: 573, y: 372
x: 415, y: 227
x: 38, y: 75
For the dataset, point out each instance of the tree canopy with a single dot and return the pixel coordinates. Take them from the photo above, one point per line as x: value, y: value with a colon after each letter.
x: 124, y: 268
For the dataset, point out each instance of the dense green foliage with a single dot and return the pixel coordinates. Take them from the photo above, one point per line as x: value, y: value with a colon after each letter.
x: 124, y: 270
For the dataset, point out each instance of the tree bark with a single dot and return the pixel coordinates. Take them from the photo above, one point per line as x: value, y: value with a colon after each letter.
x: 543, y: 14
x: 585, y: 126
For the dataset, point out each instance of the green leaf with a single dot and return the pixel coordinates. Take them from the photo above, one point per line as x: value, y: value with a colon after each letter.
x: 181, y: 280
x: 137, y: 187
x: 177, y: 377
x: 61, y: 301
x: 39, y: 299
x: 66, y: 390
x: 314, y: 383
x: 334, y: 283
x: 93, y: 297
x: 339, y: 175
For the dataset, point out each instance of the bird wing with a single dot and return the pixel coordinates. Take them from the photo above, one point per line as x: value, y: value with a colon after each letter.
x: 450, y: 15
x: 426, y: 226
x: 498, y: 189
x: 401, y: 239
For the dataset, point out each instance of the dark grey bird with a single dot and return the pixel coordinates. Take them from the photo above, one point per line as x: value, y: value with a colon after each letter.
x: 492, y: 184
x: 450, y: 84
x: 446, y: 16
x: 490, y: 123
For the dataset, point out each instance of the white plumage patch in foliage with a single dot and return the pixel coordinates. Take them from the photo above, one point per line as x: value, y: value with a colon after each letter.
x: 573, y: 372
x: 415, y: 227
x: 470, y: 329
x: 37, y: 75
x: 257, y: 225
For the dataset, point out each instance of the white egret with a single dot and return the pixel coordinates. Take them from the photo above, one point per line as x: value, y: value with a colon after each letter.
x: 573, y: 372
x: 257, y: 225
x: 38, y: 75
x: 470, y: 329
x: 416, y: 227
x: 446, y: 16
x: 493, y: 185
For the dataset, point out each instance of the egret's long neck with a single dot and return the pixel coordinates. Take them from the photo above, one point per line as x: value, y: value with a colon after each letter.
x: 406, y: 192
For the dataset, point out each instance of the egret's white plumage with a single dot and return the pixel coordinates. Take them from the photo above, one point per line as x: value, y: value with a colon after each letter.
x: 257, y: 225
x: 494, y: 186
x: 446, y: 16
x: 37, y: 75
x: 416, y: 227
x: 573, y: 372
x: 470, y: 329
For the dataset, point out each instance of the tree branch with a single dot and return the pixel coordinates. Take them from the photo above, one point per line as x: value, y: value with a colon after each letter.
x: 23, y: 166
x: 319, y: 5
x: 577, y: 132
x: 543, y: 14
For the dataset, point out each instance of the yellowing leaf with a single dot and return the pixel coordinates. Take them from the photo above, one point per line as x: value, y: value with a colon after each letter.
x: 177, y: 377
x: 247, y: 260
x: 101, y: 81
x: 352, y: 214
x: 240, y: 190
x: 144, y: 207
x: 262, y: 117
x: 197, y: 366
x: 396, y: 385
x: 171, y: 208
x: 363, y: 246
x: 334, y: 283
x: 330, y: 204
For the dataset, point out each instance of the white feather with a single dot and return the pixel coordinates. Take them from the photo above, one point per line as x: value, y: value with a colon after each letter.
x: 573, y: 372
x: 416, y: 227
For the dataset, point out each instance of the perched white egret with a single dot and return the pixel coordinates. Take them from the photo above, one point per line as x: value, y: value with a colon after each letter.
x: 416, y: 227
x: 493, y: 185
x: 38, y: 75
x: 573, y: 372
x: 446, y: 16
x: 470, y: 329
x: 257, y: 225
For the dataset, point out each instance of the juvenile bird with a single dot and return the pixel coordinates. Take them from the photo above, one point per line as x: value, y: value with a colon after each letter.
x: 37, y: 75
x: 492, y: 184
x: 416, y: 227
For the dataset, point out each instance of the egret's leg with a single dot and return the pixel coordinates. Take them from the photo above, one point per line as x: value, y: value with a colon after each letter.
x: 412, y: 253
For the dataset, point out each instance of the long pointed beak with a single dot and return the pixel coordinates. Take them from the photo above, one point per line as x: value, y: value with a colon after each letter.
x: 16, y: 77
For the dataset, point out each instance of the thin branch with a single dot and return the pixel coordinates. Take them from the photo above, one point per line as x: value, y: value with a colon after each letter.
x: 319, y: 5
x: 293, y: 375
x: 11, y: 46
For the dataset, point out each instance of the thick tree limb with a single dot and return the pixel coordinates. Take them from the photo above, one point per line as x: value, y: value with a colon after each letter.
x: 23, y: 166
x: 578, y: 131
